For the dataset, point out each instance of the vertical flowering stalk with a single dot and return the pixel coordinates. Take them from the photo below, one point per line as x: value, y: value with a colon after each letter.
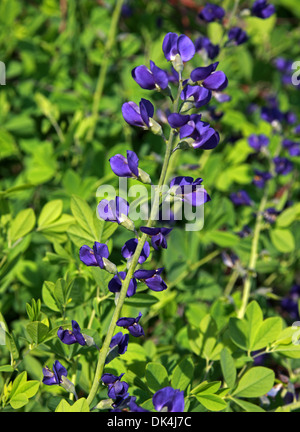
x: 254, y: 254
x: 177, y: 50
x: 257, y: 230
x: 134, y: 261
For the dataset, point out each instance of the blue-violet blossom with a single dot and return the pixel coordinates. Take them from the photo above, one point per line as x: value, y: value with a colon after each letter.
x: 169, y: 400
x: 70, y: 337
x: 132, y: 325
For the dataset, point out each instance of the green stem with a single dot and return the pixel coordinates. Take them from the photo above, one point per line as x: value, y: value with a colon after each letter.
x: 232, y: 280
x: 134, y: 262
x: 104, y: 67
x: 254, y: 254
x: 194, y: 267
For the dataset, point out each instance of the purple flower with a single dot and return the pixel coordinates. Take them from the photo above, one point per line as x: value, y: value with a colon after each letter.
x: 212, y: 12
x: 94, y: 257
x: 190, y: 190
x: 244, y: 232
x: 168, y: 399
x: 114, y: 211
x: 240, y: 198
x: 133, y: 407
x: 198, y: 95
x: 182, y: 45
x: 191, y: 126
x: 55, y: 377
x: 126, y: 11
x: 290, y: 117
x: 152, y: 279
x: 116, y: 388
x: 204, y: 43
x: 158, y: 236
x: 129, y: 248
x: 283, y: 165
x: 115, y: 284
x: 222, y: 97
x: 121, y: 341
x: 209, y: 78
x: 292, y: 147
x: 259, y: 360
x: 283, y: 65
x: 127, y: 404
x: 270, y: 214
x: 297, y: 129
x: 260, y: 178
x: 123, y: 167
x: 138, y: 115
x: 230, y: 260
x: 271, y: 114
x: 258, y: 141
x: 70, y: 337
x: 150, y: 79
x: 262, y: 9
x: 132, y: 325
x: 237, y: 36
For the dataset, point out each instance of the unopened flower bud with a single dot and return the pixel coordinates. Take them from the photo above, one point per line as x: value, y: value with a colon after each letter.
x: 109, y: 266
x: 105, y: 404
x: 178, y: 63
x: 144, y: 177
x: 68, y: 386
x: 127, y: 223
x: 155, y: 127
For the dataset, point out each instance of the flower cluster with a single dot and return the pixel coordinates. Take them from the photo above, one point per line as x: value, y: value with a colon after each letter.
x: 165, y: 399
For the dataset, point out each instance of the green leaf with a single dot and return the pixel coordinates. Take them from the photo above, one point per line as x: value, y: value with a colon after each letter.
x: 37, y: 331
x: 60, y: 292
x: 79, y: 236
x: 141, y: 300
x: 6, y: 368
x: 212, y: 402
x: 206, y: 387
x: 255, y: 383
x: 18, y: 401
x: 247, y: 406
x: 267, y: 333
x: 63, y: 406
x: 215, y: 32
x: 283, y: 240
x: 18, y: 382
x: 22, y: 224
x: 254, y: 319
x: 183, y: 374
x: 288, y: 216
x: 156, y: 376
x: 11, y: 344
x: 81, y: 406
x: 228, y: 367
x: 84, y: 216
x: 49, y: 297
x: 238, y: 331
x: 46, y: 106
x: 203, y: 340
x: 50, y: 213
x: 30, y: 388
x: 287, y: 343
x: 60, y: 225
x: 244, y: 332
x: 222, y: 238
